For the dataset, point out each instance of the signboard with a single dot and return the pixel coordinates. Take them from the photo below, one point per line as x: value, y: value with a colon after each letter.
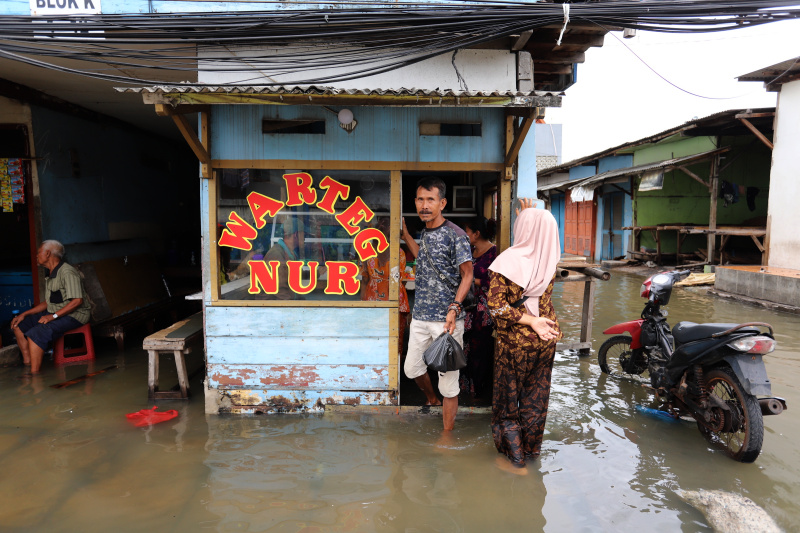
x: 341, y: 276
x: 65, y: 7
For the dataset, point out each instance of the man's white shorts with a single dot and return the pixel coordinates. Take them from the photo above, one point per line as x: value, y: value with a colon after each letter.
x: 421, y: 335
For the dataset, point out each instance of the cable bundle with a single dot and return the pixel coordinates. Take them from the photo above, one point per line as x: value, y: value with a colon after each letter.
x: 369, y: 39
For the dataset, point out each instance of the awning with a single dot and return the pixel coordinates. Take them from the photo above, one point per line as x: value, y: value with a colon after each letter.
x: 561, y: 184
x: 175, y: 95
x: 666, y: 165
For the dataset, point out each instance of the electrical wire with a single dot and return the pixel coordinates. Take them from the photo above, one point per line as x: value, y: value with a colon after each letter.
x: 301, y: 46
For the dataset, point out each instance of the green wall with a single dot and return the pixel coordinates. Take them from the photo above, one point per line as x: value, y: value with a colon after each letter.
x: 685, y: 201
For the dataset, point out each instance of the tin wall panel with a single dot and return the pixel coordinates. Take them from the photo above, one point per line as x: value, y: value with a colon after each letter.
x: 298, y: 350
x: 296, y: 322
x: 382, y: 134
x: 300, y: 377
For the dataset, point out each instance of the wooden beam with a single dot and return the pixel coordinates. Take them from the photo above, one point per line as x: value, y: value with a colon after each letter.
x: 544, y: 38
x: 519, y: 138
x: 757, y: 133
x: 587, y: 315
x: 522, y: 40
x: 505, y: 194
x: 755, y: 115
x: 694, y: 176
x: 758, y: 243
x: 713, y: 187
x: 205, y: 140
x: 188, y: 109
x: 566, y: 59
x: 541, y: 70
x: 186, y: 130
x: 629, y: 193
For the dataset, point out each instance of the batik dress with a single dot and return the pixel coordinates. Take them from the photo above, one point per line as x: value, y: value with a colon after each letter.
x: 522, y: 370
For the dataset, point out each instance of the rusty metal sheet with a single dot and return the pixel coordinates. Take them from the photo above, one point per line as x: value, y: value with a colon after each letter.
x: 299, y: 377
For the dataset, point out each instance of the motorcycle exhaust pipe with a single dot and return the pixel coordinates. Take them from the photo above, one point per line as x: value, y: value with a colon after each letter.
x: 771, y: 406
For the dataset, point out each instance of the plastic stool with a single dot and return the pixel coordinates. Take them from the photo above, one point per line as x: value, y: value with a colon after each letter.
x: 84, y: 353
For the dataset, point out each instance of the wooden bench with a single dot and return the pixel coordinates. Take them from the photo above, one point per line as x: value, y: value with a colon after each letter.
x: 177, y: 340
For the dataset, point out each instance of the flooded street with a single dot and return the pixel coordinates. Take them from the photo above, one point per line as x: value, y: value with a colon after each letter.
x: 70, y: 461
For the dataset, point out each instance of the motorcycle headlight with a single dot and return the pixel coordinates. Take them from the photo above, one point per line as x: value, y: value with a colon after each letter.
x: 757, y: 344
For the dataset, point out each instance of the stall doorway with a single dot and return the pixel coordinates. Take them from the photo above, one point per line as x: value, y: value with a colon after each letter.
x: 469, y: 194
x: 17, y: 263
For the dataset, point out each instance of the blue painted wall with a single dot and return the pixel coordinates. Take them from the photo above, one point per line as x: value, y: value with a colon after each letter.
x: 128, y: 181
x: 576, y: 173
x: 614, y: 162
x: 382, y: 134
x: 557, y: 208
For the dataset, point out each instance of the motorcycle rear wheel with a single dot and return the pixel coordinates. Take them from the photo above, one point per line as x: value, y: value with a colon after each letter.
x: 615, y: 356
x: 740, y: 432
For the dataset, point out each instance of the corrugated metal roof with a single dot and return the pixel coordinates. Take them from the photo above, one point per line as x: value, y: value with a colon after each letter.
x: 555, y: 185
x: 315, y: 89
x: 774, y: 72
x: 667, y: 164
x: 409, y: 96
x: 691, y: 124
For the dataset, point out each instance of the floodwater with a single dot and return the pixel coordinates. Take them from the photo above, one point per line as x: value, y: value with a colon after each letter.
x: 69, y: 460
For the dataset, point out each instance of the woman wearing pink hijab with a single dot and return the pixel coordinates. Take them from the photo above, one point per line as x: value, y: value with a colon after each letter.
x: 526, y: 333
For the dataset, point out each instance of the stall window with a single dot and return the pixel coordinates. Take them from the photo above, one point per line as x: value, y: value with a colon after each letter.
x: 298, y: 235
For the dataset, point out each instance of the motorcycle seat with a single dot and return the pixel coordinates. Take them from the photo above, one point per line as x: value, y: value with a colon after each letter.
x: 684, y: 332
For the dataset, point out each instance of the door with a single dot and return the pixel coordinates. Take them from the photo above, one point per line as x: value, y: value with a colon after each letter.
x: 579, y: 226
x: 613, y: 209
x: 586, y: 226
x: 570, y: 226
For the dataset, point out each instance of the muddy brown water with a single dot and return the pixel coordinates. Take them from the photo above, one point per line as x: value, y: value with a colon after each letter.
x: 69, y: 461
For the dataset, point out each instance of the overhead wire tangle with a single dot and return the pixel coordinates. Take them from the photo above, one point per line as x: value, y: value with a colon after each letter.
x: 367, y: 38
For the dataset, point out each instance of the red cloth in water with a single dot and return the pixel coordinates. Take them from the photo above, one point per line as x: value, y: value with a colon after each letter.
x: 148, y: 417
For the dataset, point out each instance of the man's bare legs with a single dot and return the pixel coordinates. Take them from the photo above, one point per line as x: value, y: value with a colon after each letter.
x: 424, y: 383
x: 22, y: 342
x: 449, y: 410
x: 31, y: 353
x: 36, y: 355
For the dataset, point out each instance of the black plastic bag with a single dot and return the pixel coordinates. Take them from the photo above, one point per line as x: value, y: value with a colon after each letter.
x: 444, y: 354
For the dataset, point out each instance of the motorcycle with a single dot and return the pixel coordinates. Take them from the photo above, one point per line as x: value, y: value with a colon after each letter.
x: 713, y: 373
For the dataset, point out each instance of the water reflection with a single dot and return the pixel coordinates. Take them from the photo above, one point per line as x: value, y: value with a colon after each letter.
x: 71, y: 462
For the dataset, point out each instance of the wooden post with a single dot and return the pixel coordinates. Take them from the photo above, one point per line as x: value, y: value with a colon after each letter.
x: 506, y: 192
x: 713, y: 185
x: 205, y: 140
x: 395, y: 214
x: 587, y: 314
x: 635, y: 240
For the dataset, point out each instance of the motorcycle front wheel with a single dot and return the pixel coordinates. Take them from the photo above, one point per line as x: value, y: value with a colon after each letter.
x: 739, y: 432
x: 617, y: 359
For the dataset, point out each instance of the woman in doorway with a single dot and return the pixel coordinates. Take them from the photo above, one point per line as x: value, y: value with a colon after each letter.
x: 527, y: 332
x: 478, y: 340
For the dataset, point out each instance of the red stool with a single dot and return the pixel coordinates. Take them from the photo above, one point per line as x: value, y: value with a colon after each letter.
x: 84, y: 353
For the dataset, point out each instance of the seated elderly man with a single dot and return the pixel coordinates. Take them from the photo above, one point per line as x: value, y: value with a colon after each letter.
x: 65, y: 307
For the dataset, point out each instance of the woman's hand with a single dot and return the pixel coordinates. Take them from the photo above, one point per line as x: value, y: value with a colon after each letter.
x: 524, y: 203
x: 545, y: 328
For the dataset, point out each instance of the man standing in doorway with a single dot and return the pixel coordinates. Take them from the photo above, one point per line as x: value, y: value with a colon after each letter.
x: 444, y: 247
